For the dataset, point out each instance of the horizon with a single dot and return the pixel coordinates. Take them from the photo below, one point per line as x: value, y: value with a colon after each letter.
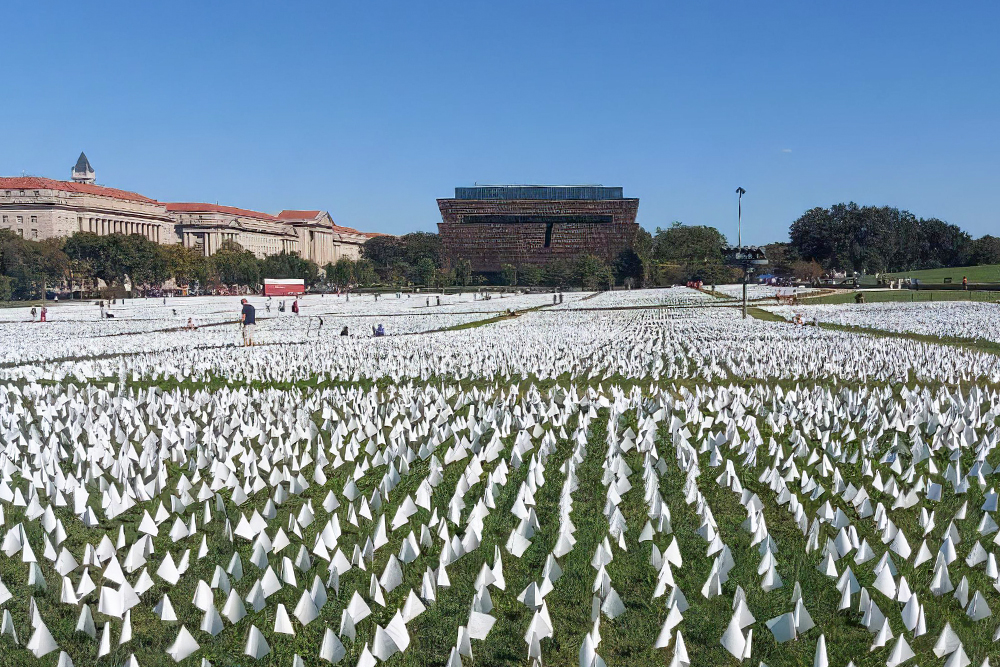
x: 374, y: 113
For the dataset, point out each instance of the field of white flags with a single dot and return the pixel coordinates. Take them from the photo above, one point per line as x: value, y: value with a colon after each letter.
x: 626, y: 478
x: 947, y: 319
x: 758, y: 292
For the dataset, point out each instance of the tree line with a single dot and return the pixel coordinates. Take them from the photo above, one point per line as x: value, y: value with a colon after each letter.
x: 418, y: 259
x: 843, y: 237
x: 28, y: 268
x: 85, y: 260
x: 883, y: 239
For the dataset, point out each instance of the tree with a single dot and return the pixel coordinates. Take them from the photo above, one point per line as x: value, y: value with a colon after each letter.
x: 508, y: 274
x: 463, y: 272
x: 557, y: 273
x: 31, y: 265
x: 877, y: 239
x: 780, y: 257
x: 444, y: 277
x: 289, y: 265
x: 592, y: 273
x: 185, y: 265
x: 383, y: 251
x: 235, y: 266
x: 531, y: 275
x: 688, y: 244
x: 629, y: 268
x: 425, y: 270
x: 986, y: 250
x: 689, y: 252
x: 421, y: 245
x: 341, y: 273
x: 115, y: 257
x: 807, y: 271
x: 364, y: 273
x: 644, y: 246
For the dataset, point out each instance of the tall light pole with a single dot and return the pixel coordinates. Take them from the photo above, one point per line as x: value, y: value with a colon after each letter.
x: 739, y: 216
x: 739, y: 241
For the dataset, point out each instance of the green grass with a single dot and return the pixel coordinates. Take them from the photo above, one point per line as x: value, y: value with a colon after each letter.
x: 489, y: 320
x: 626, y: 641
x: 767, y: 316
x: 986, y: 273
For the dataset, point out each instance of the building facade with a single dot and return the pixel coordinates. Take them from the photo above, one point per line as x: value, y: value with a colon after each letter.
x: 520, y: 225
x: 40, y: 208
x: 205, y: 227
x: 321, y: 239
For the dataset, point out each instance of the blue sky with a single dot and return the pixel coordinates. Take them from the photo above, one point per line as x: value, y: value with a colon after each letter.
x: 372, y: 110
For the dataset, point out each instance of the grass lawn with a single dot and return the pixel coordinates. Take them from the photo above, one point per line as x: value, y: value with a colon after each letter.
x: 709, y: 409
x: 987, y: 273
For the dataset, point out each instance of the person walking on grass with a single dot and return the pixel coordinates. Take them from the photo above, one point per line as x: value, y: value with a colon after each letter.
x: 249, y: 319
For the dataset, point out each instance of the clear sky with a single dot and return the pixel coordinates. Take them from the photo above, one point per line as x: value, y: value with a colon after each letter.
x: 372, y: 110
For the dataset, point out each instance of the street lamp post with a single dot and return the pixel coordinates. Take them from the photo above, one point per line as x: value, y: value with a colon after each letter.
x: 739, y: 240
x: 739, y: 216
x: 748, y: 258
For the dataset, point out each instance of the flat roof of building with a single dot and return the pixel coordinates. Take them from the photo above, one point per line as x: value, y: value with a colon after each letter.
x: 540, y: 192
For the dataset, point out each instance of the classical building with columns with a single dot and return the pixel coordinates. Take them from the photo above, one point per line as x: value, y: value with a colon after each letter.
x: 206, y: 227
x: 321, y: 239
x: 40, y: 208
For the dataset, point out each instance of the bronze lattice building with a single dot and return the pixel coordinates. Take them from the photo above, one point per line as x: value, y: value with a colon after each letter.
x: 535, y: 224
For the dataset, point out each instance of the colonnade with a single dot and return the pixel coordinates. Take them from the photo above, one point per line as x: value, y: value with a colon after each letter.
x: 105, y: 226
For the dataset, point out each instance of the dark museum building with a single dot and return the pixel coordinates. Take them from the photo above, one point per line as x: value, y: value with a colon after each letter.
x: 534, y: 224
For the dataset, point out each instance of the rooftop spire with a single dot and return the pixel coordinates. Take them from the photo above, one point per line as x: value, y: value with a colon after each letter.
x: 83, y: 172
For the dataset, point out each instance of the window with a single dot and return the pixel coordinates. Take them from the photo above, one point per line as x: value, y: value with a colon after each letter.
x: 5, y: 220
x: 34, y: 219
x: 20, y: 231
x: 34, y: 233
x: 20, y: 219
x: 36, y: 193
